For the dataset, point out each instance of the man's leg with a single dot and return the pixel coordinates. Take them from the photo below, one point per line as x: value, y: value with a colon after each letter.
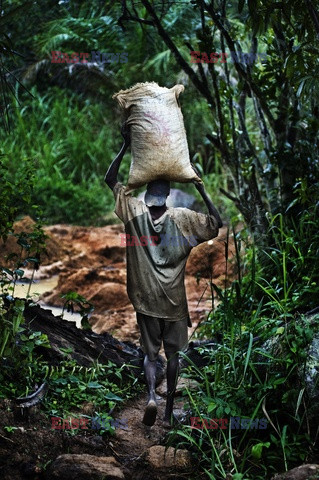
x: 171, y: 376
x: 150, y: 341
x: 150, y: 375
x: 175, y: 338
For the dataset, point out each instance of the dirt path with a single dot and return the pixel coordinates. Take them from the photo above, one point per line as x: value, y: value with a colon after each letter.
x: 136, y: 452
x: 130, y: 443
x: 140, y: 449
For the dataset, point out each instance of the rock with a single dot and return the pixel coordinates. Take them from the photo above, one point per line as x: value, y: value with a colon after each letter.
x: 83, y: 467
x: 194, y: 354
x: 310, y: 375
x: 182, y: 383
x: 304, y: 472
x: 308, y: 372
x: 161, y: 458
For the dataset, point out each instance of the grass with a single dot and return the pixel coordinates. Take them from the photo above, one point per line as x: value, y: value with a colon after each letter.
x: 70, y: 145
x: 260, y: 365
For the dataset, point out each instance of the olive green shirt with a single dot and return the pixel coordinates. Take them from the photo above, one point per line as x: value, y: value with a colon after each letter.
x: 156, y: 266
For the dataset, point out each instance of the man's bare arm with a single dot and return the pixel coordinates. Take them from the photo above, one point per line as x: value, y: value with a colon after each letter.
x: 111, y: 175
x: 209, y: 204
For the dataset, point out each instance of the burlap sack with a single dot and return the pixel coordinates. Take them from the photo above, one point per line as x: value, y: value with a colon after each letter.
x: 158, y: 138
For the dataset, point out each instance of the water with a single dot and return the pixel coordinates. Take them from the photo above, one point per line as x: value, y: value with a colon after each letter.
x: 37, y: 288
x: 46, y: 285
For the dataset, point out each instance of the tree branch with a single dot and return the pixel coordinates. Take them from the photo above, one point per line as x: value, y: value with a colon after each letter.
x: 313, y: 15
x: 242, y: 73
x: 171, y: 45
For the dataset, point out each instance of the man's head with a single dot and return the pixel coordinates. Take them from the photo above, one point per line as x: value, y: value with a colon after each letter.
x: 156, y: 193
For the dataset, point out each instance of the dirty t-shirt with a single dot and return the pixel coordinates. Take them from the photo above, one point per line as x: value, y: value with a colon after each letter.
x: 157, y: 252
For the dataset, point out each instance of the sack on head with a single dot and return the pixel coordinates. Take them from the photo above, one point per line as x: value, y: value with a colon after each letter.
x: 158, y: 138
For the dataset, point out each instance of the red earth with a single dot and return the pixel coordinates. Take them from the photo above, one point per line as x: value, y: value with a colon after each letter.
x: 91, y: 262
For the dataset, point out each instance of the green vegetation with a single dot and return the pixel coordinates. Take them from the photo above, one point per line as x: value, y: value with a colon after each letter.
x: 253, y: 134
x: 69, y: 145
x: 257, y: 366
x: 71, y: 385
x: 22, y: 364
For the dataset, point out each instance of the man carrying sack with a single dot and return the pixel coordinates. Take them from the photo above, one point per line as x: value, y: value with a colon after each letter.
x: 159, y: 240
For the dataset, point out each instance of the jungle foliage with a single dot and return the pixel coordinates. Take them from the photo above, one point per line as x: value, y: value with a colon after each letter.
x: 252, y: 128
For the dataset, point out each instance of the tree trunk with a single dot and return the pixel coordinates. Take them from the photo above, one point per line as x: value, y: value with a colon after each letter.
x: 87, y: 346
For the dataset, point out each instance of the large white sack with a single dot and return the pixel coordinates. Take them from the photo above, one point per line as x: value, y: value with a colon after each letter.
x: 158, y: 138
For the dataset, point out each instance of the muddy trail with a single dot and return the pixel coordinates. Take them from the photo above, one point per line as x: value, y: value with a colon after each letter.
x: 35, y: 450
x: 142, y: 450
x: 91, y: 262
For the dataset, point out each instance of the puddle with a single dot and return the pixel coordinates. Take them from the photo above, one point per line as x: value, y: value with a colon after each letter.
x: 37, y: 287
x: 40, y: 286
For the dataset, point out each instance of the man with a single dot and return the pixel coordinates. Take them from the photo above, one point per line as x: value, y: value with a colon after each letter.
x: 158, y: 242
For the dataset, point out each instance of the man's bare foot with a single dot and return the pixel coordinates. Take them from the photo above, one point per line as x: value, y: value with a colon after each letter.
x: 150, y: 413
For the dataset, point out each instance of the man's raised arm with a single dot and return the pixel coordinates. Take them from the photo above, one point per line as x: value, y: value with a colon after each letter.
x: 111, y: 175
x: 209, y: 204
